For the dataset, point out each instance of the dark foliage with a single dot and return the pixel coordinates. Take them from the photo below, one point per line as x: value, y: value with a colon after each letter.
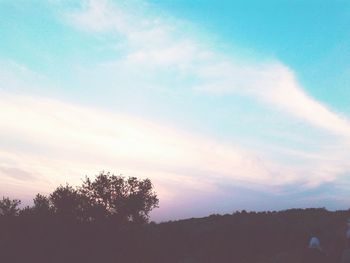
x: 111, y: 196
x: 107, y: 197
x: 241, y: 237
x: 104, y: 221
x: 9, y: 207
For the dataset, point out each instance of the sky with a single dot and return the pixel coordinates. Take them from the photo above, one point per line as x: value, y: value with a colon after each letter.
x: 224, y: 105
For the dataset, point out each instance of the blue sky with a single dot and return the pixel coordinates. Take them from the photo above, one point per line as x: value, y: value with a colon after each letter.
x: 225, y: 105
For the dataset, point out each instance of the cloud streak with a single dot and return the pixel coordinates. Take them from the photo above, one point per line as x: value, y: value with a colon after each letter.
x: 154, y: 43
x: 56, y: 142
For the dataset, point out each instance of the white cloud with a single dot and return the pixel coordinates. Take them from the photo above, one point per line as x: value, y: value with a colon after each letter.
x: 58, y: 142
x: 154, y: 43
x: 158, y: 43
x: 276, y: 85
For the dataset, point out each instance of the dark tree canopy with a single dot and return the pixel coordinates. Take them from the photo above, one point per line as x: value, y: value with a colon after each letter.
x: 126, y: 199
x: 66, y: 202
x: 9, y: 207
x: 42, y: 205
x: 107, y: 196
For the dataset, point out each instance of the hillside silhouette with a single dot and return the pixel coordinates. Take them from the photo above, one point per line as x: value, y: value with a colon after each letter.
x: 107, y: 220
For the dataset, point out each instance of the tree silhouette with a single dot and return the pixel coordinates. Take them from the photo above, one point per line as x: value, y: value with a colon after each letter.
x: 125, y: 199
x: 42, y: 205
x: 66, y: 202
x: 106, y: 197
x: 9, y: 207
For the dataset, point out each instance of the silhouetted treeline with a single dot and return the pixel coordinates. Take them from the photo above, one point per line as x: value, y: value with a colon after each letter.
x: 107, y: 197
x: 88, y: 224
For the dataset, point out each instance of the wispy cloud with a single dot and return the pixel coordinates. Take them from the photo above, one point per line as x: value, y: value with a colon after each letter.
x: 58, y: 142
x: 276, y: 85
x: 153, y: 43
x: 156, y: 44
